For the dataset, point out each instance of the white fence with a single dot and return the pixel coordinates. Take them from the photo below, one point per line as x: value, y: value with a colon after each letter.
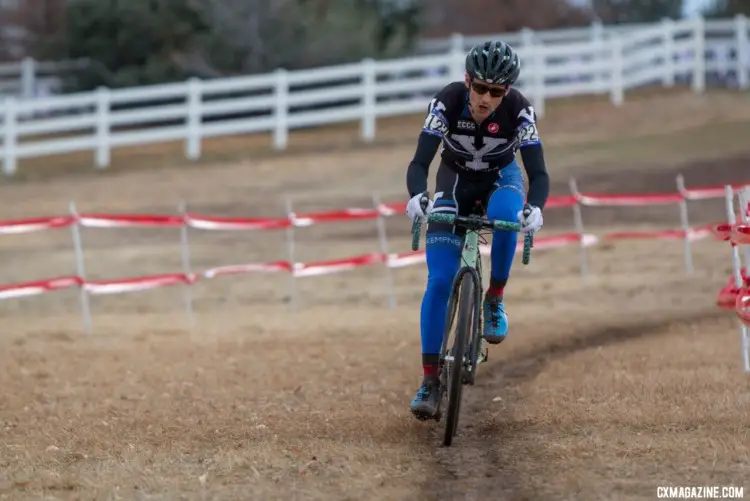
x: 30, y: 79
x: 595, y: 32
x: 284, y: 100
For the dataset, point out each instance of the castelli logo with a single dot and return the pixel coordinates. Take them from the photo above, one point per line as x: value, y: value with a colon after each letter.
x: 493, y: 128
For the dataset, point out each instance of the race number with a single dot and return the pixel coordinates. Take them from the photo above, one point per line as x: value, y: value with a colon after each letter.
x: 528, y: 134
x: 435, y: 123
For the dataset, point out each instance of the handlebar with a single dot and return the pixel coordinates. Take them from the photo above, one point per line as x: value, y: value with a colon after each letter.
x: 474, y: 223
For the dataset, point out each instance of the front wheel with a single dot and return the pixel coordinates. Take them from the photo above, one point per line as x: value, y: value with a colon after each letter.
x: 462, y: 304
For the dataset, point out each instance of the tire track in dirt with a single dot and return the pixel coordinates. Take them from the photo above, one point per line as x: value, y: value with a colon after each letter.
x: 470, y: 470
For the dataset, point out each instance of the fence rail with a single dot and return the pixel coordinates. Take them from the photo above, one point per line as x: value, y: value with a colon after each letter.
x: 595, y: 32
x: 282, y: 101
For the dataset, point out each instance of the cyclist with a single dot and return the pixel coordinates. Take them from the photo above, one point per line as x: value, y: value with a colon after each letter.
x: 482, y: 122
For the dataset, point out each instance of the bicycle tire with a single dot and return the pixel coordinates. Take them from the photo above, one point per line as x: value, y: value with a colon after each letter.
x: 464, y: 288
x: 473, y: 342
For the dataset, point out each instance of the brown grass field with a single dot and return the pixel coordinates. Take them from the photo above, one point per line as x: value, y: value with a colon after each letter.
x: 607, y: 387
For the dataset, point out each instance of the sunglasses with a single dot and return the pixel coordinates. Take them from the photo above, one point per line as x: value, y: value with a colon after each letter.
x: 482, y: 89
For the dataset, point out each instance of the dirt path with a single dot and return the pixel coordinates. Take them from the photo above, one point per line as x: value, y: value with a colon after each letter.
x: 516, y: 445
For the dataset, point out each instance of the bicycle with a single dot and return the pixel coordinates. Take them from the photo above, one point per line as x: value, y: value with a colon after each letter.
x: 466, y: 299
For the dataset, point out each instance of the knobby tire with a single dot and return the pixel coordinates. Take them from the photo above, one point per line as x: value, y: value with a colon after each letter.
x: 465, y: 286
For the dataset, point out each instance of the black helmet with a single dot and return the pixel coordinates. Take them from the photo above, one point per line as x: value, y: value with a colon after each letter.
x: 493, y: 62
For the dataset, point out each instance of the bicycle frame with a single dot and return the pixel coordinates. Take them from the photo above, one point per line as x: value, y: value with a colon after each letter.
x: 471, y: 262
x: 470, y: 255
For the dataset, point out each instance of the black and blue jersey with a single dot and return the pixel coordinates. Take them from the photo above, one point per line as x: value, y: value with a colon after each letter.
x: 476, y: 152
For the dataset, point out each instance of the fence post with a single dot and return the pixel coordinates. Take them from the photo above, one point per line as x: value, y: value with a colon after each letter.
x: 28, y: 78
x: 668, y: 32
x: 369, y: 99
x: 457, y: 43
x: 186, y: 268
x: 528, y: 39
x: 685, y: 223
x: 102, y: 128
x: 383, y: 238
x: 281, y: 133
x: 699, y: 59
x: 743, y: 47
x: 75, y: 228
x: 597, y: 40
x: 617, y: 93
x: 194, y: 118
x: 456, y: 67
x: 291, y: 254
x: 578, y: 222
x: 538, y: 62
x: 10, y: 136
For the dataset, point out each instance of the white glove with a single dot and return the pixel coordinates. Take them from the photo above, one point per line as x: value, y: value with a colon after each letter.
x: 414, y: 207
x: 530, y: 218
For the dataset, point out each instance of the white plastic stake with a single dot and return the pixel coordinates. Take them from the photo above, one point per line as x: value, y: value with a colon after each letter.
x: 80, y: 268
x: 383, y: 238
x: 685, y: 223
x: 578, y: 222
x: 187, y: 290
x: 291, y: 255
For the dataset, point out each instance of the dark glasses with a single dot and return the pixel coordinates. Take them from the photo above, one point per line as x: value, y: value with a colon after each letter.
x: 482, y: 89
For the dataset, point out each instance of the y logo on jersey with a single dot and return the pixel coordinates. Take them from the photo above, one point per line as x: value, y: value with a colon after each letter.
x: 467, y: 143
x: 528, y: 114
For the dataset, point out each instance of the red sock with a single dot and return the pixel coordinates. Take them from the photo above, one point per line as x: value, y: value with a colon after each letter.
x: 495, y: 291
x: 430, y: 370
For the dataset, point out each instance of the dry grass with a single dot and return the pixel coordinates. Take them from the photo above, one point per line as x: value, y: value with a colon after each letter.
x: 607, y: 387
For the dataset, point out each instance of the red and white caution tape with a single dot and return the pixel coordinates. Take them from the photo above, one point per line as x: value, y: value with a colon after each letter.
x: 135, y: 284
x: 234, y: 223
x: 594, y: 200
x: 205, y: 222
x: 707, y: 193
x: 239, y: 269
x: 728, y: 297
x: 337, y: 265
x: 38, y: 287
x: 35, y: 224
x: 129, y: 220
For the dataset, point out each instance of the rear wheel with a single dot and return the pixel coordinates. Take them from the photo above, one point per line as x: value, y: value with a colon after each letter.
x: 462, y: 307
